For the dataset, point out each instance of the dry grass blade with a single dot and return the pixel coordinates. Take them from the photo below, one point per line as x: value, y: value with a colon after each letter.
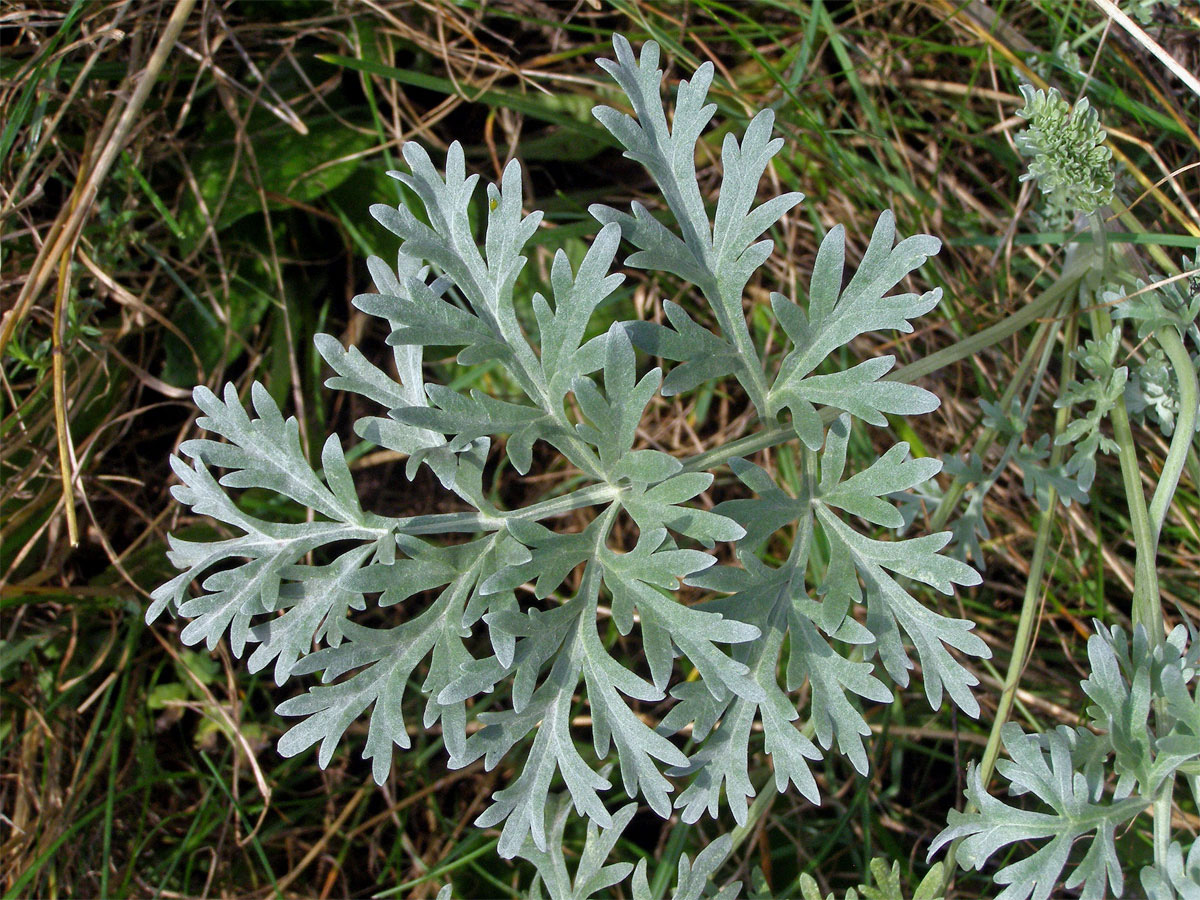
x: 1139, y: 34
x: 66, y: 232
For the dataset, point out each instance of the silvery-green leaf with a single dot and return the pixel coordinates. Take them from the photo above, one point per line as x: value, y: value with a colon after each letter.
x: 862, y: 493
x: 318, y: 600
x: 692, y: 879
x: 694, y: 876
x: 471, y: 418
x: 720, y: 762
x: 718, y: 256
x: 890, y: 606
x: 265, y: 452
x: 591, y: 875
x: 646, y: 466
x: 1077, y: 814
x: 658, y: 507
x: 491, y: 610
x: 357, y: 374
x: 836, y: 316
x: 612, y: 719
x: 521, y: 805
x: 387, y: 658
x: 704, y: 355
x: 637, y: 581
x: 858, y: 391
x: 1128, y: 679
x: 887, y: 885
x: 1180, y: 880
x: 833, y: 678
x: 236, y: 595
x: 575, y: 299
x: 613, y: 417
x: 1168, y: 306
x: 762, y: 516
x: 553, y: 557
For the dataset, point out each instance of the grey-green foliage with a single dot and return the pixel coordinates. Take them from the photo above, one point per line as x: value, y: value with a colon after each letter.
x: 887, y: 885
x: 1179, y: 879
x: 1068, y: 157
x: 1099, y: 393
x: 592, y: 876
x: 1142, y: 729
x: 1145, y: 11
x: 1038, y: 477
x: 500, y: 610
x: 1152, y: 390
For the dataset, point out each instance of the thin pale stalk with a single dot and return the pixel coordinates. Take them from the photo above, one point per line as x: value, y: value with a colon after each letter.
x: 1185, y: 427
x: 439, y: 523
x: 1147, y: 606
x: 1168, y: 481
x: 1046, y: 330
x: 1030, y: 602
x: 1147, y: 610
x: 61, y: 426
x: 1162, y: 822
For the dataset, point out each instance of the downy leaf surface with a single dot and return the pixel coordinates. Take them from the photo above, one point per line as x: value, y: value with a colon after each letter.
x: 545, y: 616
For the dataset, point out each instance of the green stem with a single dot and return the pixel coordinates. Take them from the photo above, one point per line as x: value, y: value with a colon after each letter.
x: 1177, y: 455
x: 771, y: 435
x: 1030, y: 602
x: 558, y: 506
x: 1185, y: 426
x: 1072, y: 273
x: 755, y: 382
x: 1147, y: 609
x: 439, y: 523
x: 1046, y: 330
x: 1162, y: 822
x: 759, y: 808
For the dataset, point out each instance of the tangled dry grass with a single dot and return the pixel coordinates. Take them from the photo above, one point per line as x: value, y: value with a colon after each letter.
x: 182, y: 201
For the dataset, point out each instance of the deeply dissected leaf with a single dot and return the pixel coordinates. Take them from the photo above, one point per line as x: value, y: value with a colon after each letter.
x: 1180, y: 881
x: 517, y: 604
x: 718, y: 256
x: 1043, y: 766
x: 1104, y: 389
x: 591, y: 875
x: 704, y: 355
x: 835, y: 316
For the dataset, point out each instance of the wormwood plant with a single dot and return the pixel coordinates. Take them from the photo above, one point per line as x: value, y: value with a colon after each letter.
x: 492, y: 628
x: 1140, y: 738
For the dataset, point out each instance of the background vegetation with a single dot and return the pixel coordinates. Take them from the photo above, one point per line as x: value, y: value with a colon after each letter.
x: 184, y: 195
